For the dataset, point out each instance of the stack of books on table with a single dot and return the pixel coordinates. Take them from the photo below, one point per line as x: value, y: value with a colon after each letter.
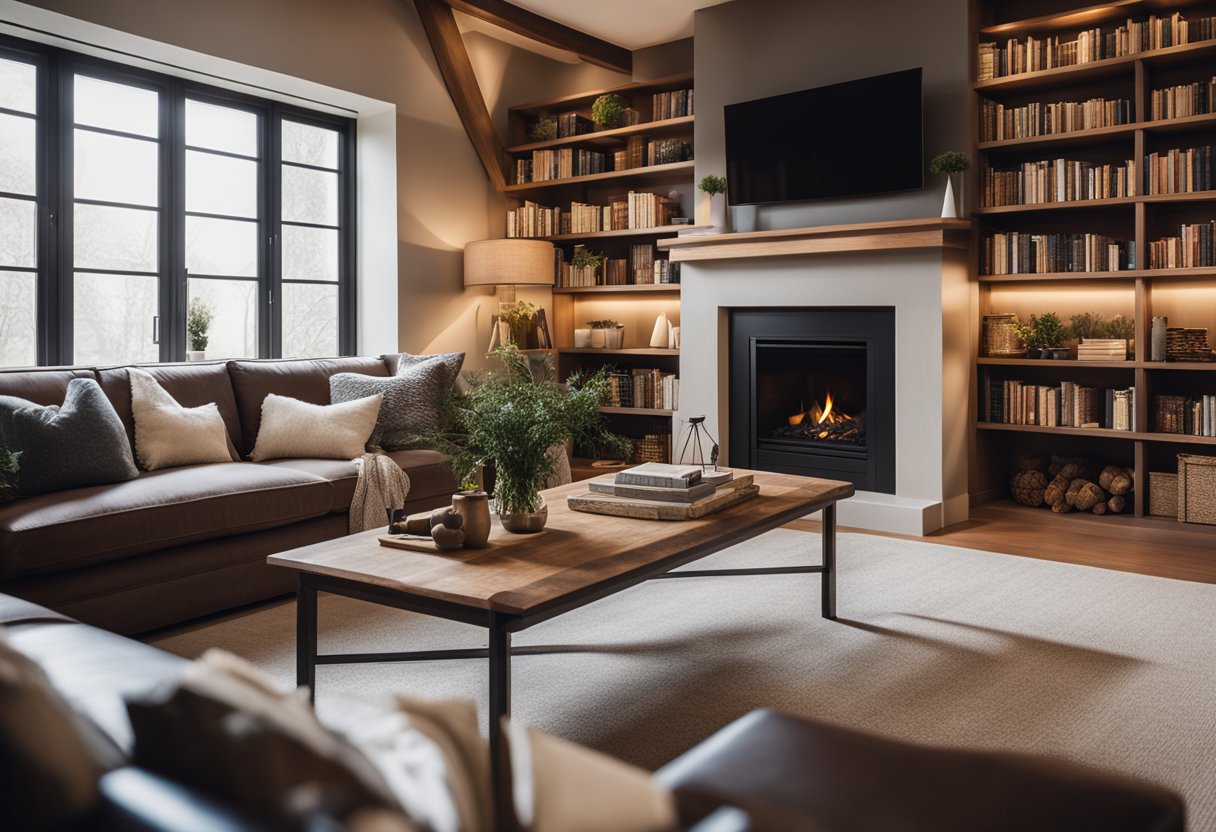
x: 662, y: 482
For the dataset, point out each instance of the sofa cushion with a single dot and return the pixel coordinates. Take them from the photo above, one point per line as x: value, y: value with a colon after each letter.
x: 44, y: 386
x: 306, y: 379
x: 342, y: 474
x: 159, y: 509
x: 291, y: 428
x: 191, y: 385
x: 168, y: 435
x: 52, y: 758
x: 79, y: 444
x: 413, y: 398
x: 851, y: 780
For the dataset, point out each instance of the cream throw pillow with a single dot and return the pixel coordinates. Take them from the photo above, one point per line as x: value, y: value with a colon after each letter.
x: 292, y: 428
x: 558, y: 786
x: 168, y: 435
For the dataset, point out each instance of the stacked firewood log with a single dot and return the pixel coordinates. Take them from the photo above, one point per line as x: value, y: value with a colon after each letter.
x: 1067, y: 483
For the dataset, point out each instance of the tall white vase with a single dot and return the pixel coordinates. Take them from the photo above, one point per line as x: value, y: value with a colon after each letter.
x: 719, y: 218
x: 949, y: 207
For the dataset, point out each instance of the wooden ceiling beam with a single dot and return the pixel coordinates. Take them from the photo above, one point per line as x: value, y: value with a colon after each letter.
x: 531, y: 25
x: 457, y: 70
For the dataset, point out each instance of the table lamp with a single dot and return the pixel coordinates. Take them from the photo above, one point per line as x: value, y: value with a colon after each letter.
x: 506, y: 264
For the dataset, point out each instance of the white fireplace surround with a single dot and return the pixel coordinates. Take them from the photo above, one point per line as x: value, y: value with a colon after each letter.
x: 934, y: 322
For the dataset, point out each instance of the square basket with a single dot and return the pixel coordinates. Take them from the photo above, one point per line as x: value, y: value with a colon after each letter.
x: 1197, y: 489
x: 1162, y: 494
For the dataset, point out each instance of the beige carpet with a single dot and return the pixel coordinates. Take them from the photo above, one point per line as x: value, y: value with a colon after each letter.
x: 937, y: 644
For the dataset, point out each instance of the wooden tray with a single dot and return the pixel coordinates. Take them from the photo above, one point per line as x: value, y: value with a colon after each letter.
x: 732, y: 493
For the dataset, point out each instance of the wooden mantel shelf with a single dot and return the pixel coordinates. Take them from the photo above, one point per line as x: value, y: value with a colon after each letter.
x: 822, y: 239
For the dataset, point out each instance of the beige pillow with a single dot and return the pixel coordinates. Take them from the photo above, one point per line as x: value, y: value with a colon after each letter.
x: 558, y: 786
x: 168, y: 435
x: 292, y: 428
x: 51, y: 756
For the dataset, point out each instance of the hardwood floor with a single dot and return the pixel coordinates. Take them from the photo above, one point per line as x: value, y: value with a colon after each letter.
x: 1147, y: 545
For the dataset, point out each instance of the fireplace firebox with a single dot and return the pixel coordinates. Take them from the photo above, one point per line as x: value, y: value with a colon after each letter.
x: 812, y: 391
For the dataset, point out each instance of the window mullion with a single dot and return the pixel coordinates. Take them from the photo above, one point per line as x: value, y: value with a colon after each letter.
x: 173, y: 223
x: 271, y: 238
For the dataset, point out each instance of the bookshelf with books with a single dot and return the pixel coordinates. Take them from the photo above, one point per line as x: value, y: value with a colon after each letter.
x: 614, y: 193
x: 1092, y: 134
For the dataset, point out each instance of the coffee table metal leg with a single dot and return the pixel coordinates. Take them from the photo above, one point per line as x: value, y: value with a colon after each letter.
x: 306, y: 638
x: 500, y: 706
x: 828, y: 535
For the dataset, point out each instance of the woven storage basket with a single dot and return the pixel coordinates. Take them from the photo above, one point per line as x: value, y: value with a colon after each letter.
x: 1197, y: 489
x: 1000, y: 338
x: 1162, y: 494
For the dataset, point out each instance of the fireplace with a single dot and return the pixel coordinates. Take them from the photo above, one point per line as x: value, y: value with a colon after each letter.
x: 812, y: 391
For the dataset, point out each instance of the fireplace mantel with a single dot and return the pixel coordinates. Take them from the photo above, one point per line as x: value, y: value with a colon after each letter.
x: 824, y: 239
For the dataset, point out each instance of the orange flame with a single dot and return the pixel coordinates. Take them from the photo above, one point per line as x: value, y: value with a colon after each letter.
x: 827, y: 411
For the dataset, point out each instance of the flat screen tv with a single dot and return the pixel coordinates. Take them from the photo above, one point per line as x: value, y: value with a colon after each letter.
x: 858, y: 137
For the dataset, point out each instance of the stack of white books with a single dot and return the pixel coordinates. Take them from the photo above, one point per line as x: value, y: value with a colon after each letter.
x: 662, y: 482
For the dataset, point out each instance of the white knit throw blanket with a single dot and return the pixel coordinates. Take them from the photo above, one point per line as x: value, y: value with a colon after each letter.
x: 382, y: 485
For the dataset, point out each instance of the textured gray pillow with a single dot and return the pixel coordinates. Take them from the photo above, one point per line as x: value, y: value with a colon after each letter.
x: 411, y: 398
x: 80, y: 444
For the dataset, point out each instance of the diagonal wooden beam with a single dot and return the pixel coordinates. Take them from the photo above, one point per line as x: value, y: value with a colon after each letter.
x: 531, y: 25
x: 457, y: 70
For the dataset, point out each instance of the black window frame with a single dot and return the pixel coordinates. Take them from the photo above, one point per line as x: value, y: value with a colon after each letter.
x: 54, y: 138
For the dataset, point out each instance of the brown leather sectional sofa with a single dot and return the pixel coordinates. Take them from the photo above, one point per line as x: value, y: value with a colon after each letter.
x: 179, y: 543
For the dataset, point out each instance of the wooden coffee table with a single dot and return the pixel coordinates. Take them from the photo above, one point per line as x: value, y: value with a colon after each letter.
x: 522, y: 580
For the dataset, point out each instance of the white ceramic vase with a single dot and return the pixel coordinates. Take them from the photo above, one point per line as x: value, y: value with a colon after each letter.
x: 949, y: 207
x: 196, y: 355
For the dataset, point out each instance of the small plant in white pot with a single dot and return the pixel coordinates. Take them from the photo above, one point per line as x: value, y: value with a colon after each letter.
x: 585, y: 267
x: 611, y: 334
x: 714, y: 187
x: 198, y: 323
x: 950, y: 163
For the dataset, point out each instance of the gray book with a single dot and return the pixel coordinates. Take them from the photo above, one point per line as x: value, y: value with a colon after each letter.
x: 660, y: 475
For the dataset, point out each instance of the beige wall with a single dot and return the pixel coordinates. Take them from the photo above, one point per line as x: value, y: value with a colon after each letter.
x: 378, y: 48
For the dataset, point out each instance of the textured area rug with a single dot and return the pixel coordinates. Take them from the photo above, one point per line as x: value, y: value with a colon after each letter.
x: 935, y: 644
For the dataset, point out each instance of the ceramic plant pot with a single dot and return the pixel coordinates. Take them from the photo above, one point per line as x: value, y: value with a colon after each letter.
x: 196, y: 355
x: 599, y: 337
x: 582, y: 338
x: 474, y: 507
x: 614, y: 338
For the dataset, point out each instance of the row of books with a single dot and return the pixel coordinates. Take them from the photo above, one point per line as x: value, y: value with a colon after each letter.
x: 1068, y: 404
x: 642, y: 267
x: 667, y: 151
x: 573, y: 124
x: 1194, y: 246
x: 650, y: 389
x: 1184, y: 100
x: 562, y: 163
x: 1016, y: 252
x: 1133, y: 37
x: 1180, y: 170
x: 1102, y: 349
x: 633, y: 210
x: 1192, y: 416
x: 1057, y: 180
x: 999, y: 122
x: 671, y: 104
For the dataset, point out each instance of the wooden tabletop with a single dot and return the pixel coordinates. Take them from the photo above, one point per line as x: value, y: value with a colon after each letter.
x: 576, y: 552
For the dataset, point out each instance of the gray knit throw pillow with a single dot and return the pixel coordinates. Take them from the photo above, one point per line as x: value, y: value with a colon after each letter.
x: 411, y: 398
x: 80, y: 444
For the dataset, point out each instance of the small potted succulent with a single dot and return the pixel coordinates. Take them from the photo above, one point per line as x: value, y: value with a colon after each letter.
x: 198, y: 323
x: 1053, y: 334
x: 715, y: 186
x: 950, y: 163
x: 543, y: 129
x: 607, y: 110
x: 607, y: 334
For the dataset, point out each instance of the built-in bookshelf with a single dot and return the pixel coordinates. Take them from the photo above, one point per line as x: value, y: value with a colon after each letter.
x: 1092, y: 128
x: 615, y: 192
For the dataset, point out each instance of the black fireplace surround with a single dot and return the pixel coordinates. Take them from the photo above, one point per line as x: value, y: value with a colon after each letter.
x: 812, y: 392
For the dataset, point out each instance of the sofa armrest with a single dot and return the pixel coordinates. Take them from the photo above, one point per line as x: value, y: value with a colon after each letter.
x: 724, y: 819
x: 134, y: 800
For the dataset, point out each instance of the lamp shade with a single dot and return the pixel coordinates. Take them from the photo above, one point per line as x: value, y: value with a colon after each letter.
x: 510, y: 262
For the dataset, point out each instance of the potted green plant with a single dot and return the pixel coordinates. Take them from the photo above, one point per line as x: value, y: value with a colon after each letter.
x: 10, y: 468
x: 585, y: 265
x: 198, y: 323
x: 714, y: 186
x: 607, y: 334
x: 950, y: 163
x: 543, y: 129
x: 1052, y: 335
x: 606, y: 111
x: 510, y: 420
x: 520, y: 319
x: 1120, y: 326
x: 1087, y: 325
x: 1028, y: 332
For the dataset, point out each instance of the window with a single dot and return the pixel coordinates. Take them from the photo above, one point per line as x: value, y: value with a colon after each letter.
x: 126, y: 196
